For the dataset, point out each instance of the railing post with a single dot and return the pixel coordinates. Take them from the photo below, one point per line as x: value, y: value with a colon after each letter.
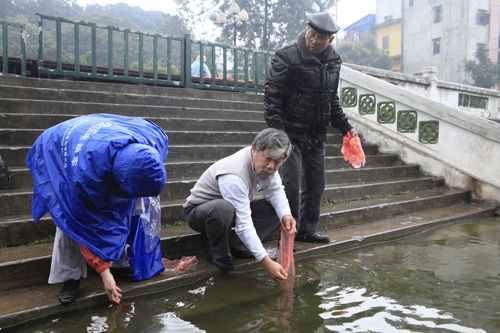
x: 224, y: 66
x: 186, y: 58
x: 169, y: 59
x: 155, y: 57
x: 141, y: 55
x: 58, y: 46
x: 110, y: 51
x: 5, y: 43
x: 214, y: 66
x: 235, y: 67
x: 94, y: 48
x: 76, y: 30
x: 40, y: 43
x: 256, y: 71
x: 202, y: 76
x: 24, y: 37
x: 125, y: 52
x: 246, y: 70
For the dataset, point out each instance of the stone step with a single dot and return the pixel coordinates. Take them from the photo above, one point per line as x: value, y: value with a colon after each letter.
x: 16, y: 202
x: 127, y: 88
x: 21, y: 177
x: 16, y: 155
x: 37, y: 121
x: 17, y: 137
x: 20, y: 229
x: 42, y: 107
x: 21, y: 137
x: 123, y: 98
x: 333, y: 217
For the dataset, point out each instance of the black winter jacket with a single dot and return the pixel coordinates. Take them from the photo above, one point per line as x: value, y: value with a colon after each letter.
x: 301, y: 93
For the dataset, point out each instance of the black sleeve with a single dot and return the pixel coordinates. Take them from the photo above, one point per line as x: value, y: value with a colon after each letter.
x: 277, y: 90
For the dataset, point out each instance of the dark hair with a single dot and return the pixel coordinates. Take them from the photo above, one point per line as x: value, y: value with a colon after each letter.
x: 275, y: 141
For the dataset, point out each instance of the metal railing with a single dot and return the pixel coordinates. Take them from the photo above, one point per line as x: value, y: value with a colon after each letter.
x: 230, y: 68
x: 15, y: 52
x: 87, y: 50
x: 98, y: 52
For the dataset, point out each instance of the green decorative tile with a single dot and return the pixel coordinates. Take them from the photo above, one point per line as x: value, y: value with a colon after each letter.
x: 367, y: 104
x: 428, y: 131
x: 349, y: 97
x: 386, y: 112
x: 407, y: 121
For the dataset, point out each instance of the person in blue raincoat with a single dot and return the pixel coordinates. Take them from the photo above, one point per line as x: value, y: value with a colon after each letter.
x: 99, y: 176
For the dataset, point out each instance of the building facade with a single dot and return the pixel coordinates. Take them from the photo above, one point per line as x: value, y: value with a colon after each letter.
x: 388, y: 30
x: 446, y: 33
x: 363, y: 26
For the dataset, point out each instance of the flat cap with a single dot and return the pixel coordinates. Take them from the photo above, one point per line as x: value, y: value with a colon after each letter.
x: 322, y: 23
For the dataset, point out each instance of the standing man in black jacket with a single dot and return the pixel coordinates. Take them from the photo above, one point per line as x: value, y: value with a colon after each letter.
x: 302, y: 99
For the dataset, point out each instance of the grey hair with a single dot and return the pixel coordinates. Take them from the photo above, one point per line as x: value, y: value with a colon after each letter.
x: 275, y: 141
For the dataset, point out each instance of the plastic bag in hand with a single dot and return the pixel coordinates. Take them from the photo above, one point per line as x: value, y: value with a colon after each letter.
x: 285, y: 254
x: 352, y: 151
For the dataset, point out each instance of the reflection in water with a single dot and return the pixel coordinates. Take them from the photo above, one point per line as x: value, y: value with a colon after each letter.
x: 170, y: 323
x: 447, y: 280
x: 355, y: 310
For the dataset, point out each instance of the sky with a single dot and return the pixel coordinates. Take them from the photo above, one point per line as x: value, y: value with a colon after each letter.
x: 349, y: 11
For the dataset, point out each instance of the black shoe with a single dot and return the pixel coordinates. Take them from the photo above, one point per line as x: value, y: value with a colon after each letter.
x: 69, y: 292
x: 225, y: 265
x: 312, y: 238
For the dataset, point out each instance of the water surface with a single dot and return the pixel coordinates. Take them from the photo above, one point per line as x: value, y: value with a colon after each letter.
x: 445, y: 280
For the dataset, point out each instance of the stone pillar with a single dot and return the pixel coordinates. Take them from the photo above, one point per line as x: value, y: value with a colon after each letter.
x: 429, y: 73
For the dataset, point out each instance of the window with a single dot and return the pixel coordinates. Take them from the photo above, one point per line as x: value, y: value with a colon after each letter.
x: 498, y: 58
x: 482, y: 17
x: 437, y: 13
x: 436, y: 46
x: 410, y: 3
x: 387, y: 18
x: 471, y: 101
x: 385, y: 43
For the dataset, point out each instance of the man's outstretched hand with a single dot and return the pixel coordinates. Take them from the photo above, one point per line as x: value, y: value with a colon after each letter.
x: 274, y: 270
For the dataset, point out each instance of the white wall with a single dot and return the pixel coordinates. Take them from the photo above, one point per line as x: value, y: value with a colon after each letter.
x: 437, y: 90
x: 458, y: 31
x: 467, y: 154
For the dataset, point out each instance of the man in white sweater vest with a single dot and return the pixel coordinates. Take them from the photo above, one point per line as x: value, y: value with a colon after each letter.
x: 222, y: 205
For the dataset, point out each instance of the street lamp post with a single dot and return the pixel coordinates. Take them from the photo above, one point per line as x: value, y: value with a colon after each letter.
x: 239, y: 17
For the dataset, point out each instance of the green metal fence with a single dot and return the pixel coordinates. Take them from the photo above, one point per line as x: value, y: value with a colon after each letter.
x: 87, y: 50
x: 230, y: 68
x: 13, y: 54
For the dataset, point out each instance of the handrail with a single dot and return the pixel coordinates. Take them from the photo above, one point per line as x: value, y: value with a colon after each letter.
x: 161, y: 60
x: 5, y: 47
x: 109, y: 71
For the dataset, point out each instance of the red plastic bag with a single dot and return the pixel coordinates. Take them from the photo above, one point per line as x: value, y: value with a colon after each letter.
x: 285, y: 254
x: 180, y: 265
x: 352, y: 151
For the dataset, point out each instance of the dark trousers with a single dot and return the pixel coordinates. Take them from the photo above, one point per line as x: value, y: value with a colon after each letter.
x: 216, y: 219
x: 303, y: 175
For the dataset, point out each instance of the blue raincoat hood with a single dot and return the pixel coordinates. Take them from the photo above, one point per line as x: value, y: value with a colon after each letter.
x: 88, y: 171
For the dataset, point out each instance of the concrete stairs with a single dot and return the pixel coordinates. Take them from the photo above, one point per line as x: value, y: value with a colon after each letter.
x: 384, y: 200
